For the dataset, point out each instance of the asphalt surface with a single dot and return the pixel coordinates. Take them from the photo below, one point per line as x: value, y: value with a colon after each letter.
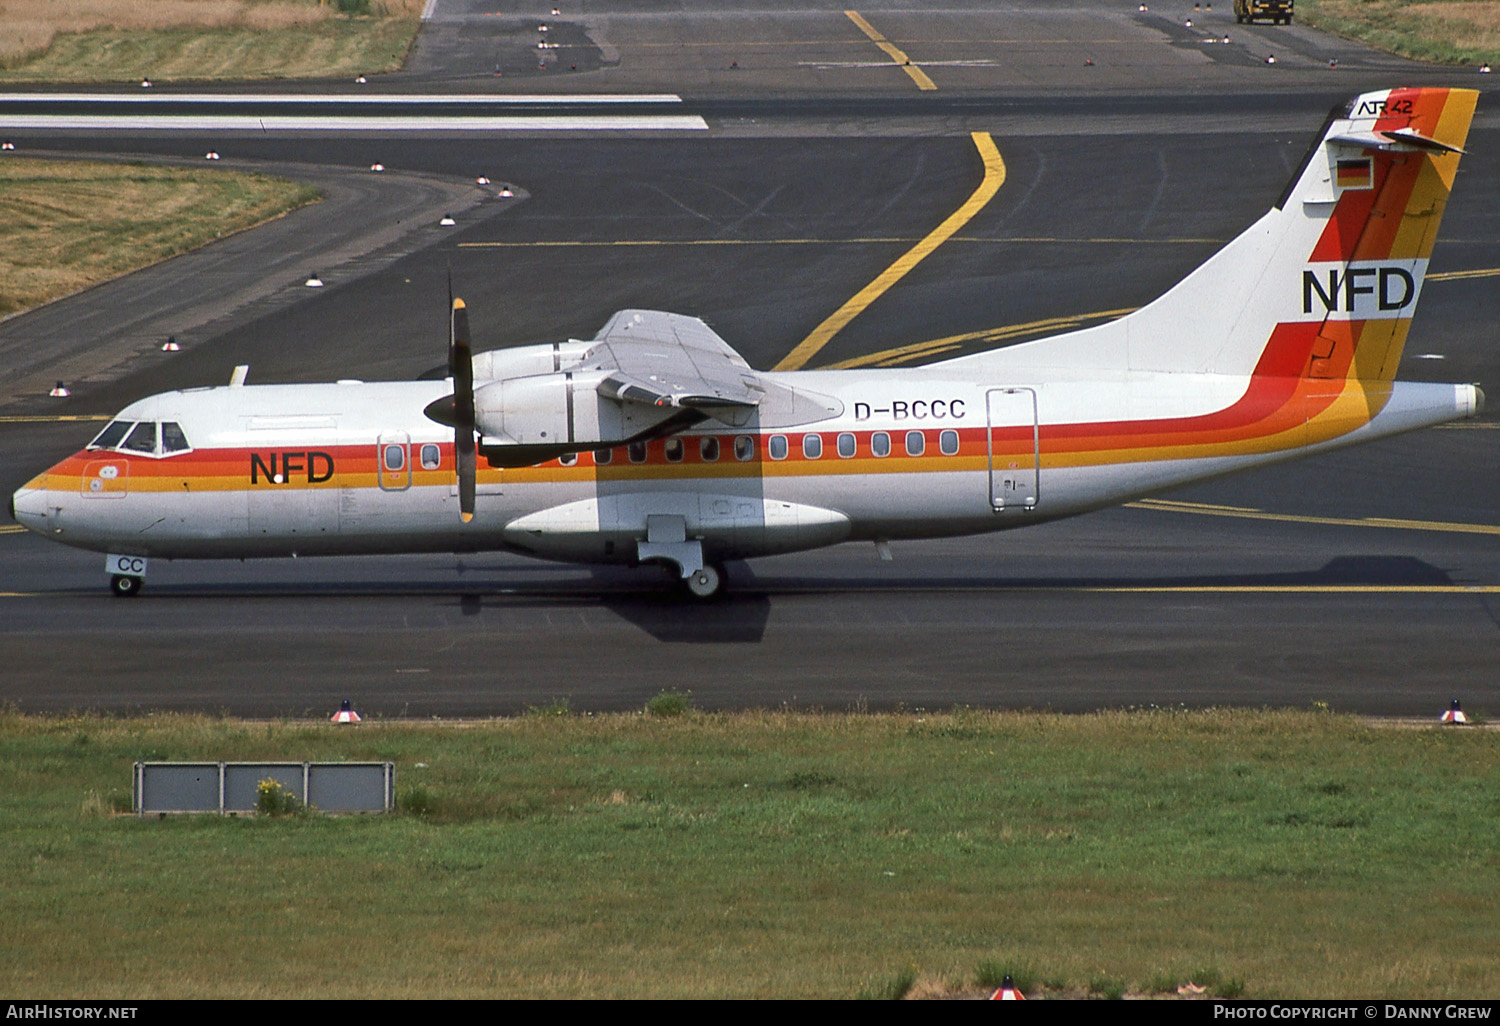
x: 811, y: 178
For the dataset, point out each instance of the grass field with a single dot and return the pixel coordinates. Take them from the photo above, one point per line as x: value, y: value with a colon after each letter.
x: 773, y: 854
x: 72, y: 224
x: 1446, y: 31
x: 201, y: 40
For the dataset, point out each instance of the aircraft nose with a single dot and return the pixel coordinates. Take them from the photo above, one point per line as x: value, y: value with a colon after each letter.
x: 28, y: 507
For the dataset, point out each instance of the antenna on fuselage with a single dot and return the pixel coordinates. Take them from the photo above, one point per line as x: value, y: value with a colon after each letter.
x: 241, y: 372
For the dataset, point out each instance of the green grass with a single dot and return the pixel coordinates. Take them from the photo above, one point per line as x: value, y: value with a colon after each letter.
x: 1443, y: 31
x: 767, y: 855
x: 72, y: 224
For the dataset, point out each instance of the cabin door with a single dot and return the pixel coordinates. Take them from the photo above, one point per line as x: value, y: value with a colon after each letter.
x: 1014, y: 448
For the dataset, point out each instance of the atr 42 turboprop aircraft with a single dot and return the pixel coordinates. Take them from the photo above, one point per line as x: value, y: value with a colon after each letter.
x: 655, y: 441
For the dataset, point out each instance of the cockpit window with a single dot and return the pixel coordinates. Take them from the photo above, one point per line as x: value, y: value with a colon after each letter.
x: 142, y: 438
x: 111, y: 435
x: 172, y: 438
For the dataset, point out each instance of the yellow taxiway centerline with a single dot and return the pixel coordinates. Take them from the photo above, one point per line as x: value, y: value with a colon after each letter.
x: 994, y: 177
x: 1483, y: 272
x: 998, y: 240
x: 1300, y: 589
x: 1247, y: 513
x: 53, y: 418
x: 929, y: 348
x: 893, y: 52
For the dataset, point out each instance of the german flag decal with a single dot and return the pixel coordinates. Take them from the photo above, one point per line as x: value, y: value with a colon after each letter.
x: 1353, y: 173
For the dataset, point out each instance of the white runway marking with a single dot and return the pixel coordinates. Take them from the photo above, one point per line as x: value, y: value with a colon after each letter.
x: 314, y: 123
x: 300, y: 98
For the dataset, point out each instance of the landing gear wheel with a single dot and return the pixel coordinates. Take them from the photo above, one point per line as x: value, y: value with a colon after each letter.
x: 125, y: 586
x: 707, y: 583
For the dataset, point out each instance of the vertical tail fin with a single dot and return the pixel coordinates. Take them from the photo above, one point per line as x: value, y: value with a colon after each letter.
x: 1323, y: 285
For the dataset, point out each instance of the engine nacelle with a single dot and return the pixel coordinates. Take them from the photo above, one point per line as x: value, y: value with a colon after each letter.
x: 525, y: 361
x: 559, y: 410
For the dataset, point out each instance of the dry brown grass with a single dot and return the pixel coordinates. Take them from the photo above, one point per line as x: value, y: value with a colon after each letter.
x: 1472, y: 25
x: 72, y: 224
x: 1450, y: 31
x: 29, y: 26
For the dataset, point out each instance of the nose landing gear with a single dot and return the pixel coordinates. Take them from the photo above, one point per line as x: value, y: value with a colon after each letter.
x: 125, y: 586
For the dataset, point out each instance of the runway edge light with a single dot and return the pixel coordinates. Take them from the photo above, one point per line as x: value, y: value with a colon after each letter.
x: 1007, y: 991
x: 346, y: 713
x: 1455, y: 714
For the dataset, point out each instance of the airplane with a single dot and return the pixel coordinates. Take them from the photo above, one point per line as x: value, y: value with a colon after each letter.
x: 655, y: 442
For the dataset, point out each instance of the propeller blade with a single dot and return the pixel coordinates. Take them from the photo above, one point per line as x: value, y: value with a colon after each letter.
x: 461, y: 367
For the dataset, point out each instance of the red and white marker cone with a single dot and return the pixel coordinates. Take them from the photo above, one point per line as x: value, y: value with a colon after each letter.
x: 346, y: 713
x: 1454, y: 714
x: 377, y: 167
x: 1007, y: 991
x: 60, y: 391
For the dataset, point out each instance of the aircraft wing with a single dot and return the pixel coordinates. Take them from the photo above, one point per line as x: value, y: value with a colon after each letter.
x: 668, y: 360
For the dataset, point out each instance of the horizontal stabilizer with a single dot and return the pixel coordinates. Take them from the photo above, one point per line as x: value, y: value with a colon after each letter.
x: 1395, y: 139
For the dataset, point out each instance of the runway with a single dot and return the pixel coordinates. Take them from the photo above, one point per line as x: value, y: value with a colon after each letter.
x: 1366, y: 579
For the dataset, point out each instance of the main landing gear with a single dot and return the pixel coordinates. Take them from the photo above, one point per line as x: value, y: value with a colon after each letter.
x: 125, y: 586
x: 707, y: 582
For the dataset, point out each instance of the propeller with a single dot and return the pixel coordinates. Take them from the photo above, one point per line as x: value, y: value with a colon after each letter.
x: 461, y: 369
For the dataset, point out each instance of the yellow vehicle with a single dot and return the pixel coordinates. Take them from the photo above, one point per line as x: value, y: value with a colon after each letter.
x: 1278, y: 11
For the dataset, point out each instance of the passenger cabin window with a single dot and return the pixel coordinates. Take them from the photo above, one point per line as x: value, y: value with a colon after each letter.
x: 708, y: 448
x: 744, y: 448
x: 948, y: 443
x: 172, y: 438
x: 603, y: 456
x: 812, y: 446
x: 637, y: 451
x: 846, y: 445
x: 432, y: 457
x: 395, y: 457
x: 567, y: 459
x: 778, y: 447
x: 880, y: 444
x: 916, y: 443
x: 674, y: 449
x: 142, y: 437
x: 111, y: 435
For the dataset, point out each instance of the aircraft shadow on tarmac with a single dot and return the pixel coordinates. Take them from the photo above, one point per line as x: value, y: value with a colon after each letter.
x: 742, y: 616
